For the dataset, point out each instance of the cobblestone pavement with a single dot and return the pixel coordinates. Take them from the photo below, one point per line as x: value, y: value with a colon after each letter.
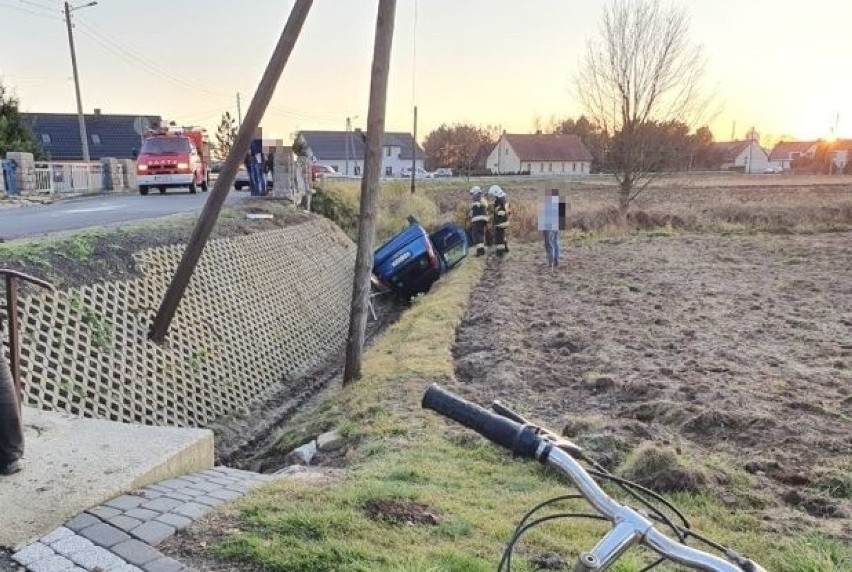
x: 121, y: 534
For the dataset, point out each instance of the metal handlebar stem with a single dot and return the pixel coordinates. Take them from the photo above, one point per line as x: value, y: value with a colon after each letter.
x: 629, y: 526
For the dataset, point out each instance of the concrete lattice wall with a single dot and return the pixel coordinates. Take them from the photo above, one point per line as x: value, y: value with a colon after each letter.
x: 260, y: 309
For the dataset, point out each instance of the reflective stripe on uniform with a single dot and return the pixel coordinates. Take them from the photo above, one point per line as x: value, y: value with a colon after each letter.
x: 501, y: 247
x: 501, y: 213
x: 480, y: 245
x: 479, y: 218
x: 503, y: 225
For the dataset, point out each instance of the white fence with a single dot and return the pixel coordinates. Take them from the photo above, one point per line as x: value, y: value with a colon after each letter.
x: 70, y: 177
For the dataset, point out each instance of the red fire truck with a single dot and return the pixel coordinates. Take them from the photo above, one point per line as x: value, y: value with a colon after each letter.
x: 174, y: 157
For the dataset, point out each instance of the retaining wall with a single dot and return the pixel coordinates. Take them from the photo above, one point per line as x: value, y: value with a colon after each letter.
x: 260, y: 309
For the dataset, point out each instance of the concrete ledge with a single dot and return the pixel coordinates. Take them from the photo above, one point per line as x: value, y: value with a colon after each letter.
x: 72, y: 464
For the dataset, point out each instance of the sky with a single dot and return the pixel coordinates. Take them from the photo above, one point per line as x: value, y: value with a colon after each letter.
x: 780, y: 66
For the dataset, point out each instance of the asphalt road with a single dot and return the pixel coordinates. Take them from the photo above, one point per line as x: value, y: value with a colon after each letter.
x: 90, y: 212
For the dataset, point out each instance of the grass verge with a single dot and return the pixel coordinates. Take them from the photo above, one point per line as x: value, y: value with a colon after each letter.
x: 402, y: 456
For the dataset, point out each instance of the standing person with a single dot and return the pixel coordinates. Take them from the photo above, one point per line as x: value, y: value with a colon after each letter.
x: 500, y: 219
x: 478, y: 215
x: 258, y: 182
x: 11, y: 431
x: 551, y: 217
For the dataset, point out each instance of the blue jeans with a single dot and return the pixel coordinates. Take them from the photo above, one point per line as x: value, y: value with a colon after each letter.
x: 258, y: 181
x: 551, y: 246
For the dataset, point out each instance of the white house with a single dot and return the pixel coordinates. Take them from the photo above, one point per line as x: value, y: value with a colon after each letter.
x: 343, y: 151
x: 747, y: 156
x: 540, y: 154
x: 786, y: 152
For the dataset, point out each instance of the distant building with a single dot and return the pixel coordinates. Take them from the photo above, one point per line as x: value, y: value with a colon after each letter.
x: 786, y: 152
x: 840, y: 155
x: 58, y: 134
x: 540, y: 154
x: 746, y: 156
x: 344, y: 151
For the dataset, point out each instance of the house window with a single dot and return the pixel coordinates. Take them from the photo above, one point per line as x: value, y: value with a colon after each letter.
x: 541, y: 167
x: 550, y: 167
x: 96, y: 139
x: 388, y: 171
x: 335, y: 167
x: 507, y: 150
x: 357, y: 170
x: 45, y: 138
x: 388, y: 151
x: 574, y: 167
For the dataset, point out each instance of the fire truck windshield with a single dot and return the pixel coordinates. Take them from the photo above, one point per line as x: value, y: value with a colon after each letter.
x: 166, y: 146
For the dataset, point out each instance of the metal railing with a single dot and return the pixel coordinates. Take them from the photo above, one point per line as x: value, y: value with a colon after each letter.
x: 54, y: 178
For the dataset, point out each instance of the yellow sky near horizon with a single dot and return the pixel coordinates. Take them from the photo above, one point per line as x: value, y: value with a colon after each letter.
x: 779, y: 66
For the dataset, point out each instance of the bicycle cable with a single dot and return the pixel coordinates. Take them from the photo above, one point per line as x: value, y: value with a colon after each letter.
x: 519, y: 531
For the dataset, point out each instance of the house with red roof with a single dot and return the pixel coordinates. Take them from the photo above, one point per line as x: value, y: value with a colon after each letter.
x: 540, y: 154
x: 786, y: 152
x: 746, y: 156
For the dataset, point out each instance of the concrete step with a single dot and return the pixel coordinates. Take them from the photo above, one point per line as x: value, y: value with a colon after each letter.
x: 72, y: 464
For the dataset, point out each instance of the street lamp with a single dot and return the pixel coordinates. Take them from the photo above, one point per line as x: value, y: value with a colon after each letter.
x: 83, y: 136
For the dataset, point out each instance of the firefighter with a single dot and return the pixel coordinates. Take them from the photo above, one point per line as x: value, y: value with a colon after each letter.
x: 478, y: 215
x: 500, y: 220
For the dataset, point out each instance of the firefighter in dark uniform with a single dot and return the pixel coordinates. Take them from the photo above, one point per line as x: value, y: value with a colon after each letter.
x: 500, y: 220
x: 478, y: 216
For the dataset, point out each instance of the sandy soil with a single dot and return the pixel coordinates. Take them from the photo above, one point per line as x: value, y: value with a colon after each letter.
x: 739, y: 346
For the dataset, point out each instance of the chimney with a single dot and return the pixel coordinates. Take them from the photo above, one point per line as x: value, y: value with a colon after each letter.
x: 97, y: 111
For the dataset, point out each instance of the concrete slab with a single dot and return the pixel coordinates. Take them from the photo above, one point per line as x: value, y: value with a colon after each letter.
x: 73, y: 464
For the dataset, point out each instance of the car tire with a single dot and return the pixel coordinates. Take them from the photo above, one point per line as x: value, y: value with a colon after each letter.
x: 162, y: 190
x: 143, y: 190
x: 193, y: 187
x: 204, y: 186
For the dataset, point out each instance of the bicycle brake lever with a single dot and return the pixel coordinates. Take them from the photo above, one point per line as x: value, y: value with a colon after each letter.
x: 504, y: 411
x: 568, y: 446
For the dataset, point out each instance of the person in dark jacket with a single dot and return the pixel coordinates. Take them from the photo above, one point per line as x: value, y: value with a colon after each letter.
x: 11, y: 430
x: 478, y: 216
x: 500, y: 219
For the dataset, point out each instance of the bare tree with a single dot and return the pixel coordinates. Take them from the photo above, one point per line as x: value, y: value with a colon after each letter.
x: 639, y: 73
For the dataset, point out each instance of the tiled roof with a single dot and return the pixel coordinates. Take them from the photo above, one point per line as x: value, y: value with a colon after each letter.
x: 728, y: 151
x: 331, y: 145
x: 782, y: 150
x: 549, y: 147
x: 58, y: 134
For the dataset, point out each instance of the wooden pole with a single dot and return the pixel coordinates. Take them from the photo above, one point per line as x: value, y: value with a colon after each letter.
x: 210, y: 214
x: 370, y: 190
x: 414, y: 152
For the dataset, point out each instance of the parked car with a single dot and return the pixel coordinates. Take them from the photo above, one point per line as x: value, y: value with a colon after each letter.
x: 421, y: 173
x: 321, y: 171
x: 242, y: 181
x: 771, y: 171
x: 412, y: 260
x: 443, y: 173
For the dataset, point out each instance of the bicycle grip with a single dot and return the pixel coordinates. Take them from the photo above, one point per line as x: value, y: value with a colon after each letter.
x: 502, y: 431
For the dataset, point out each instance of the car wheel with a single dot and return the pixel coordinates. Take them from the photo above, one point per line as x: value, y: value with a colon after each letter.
x: 204, y: 186
x: 162, y: 190
x: 143, y: 190
x: 193, y: 187
x: 238, y: 186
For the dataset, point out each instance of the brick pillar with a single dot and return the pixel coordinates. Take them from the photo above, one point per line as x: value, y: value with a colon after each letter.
x: 25, y: 173
x: 112, y: 174
x: 282, y: 175
x: 129, y: 173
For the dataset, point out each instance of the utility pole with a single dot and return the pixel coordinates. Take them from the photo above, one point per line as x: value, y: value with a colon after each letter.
x: 370, y: 190
x: 346, y: 142
x: 83, y: 136
x: 414, y: 152
x: 208, y: 217
x: 239, y: 112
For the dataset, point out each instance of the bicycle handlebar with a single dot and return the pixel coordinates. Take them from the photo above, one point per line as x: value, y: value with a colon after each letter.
x: 629, y: 526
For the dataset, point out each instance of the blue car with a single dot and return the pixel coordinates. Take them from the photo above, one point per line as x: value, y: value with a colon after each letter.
x: 412, y: 260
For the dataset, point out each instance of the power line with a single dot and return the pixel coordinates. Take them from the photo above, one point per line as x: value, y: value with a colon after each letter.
x: 42, y: 6
x: 126, y: 53
x: 31, y: 12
